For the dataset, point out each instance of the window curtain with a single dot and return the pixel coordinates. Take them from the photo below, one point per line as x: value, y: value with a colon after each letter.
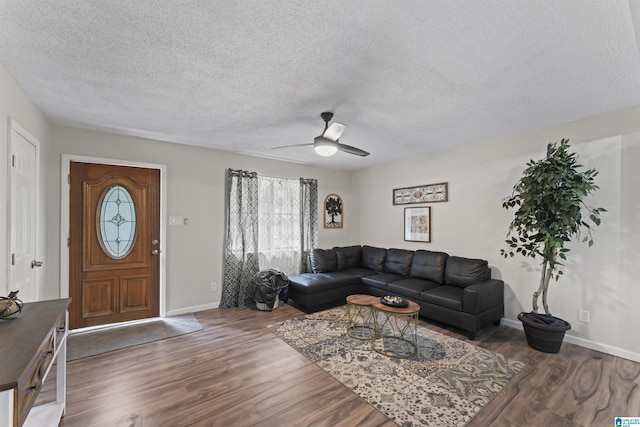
x: 279, y: 224
x: 308, y: 221
x: 241, y: 240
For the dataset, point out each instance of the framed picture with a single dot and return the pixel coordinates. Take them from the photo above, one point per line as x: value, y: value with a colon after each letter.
x: 417, y: 224
x: 333, y: 211
x: 421, y: 194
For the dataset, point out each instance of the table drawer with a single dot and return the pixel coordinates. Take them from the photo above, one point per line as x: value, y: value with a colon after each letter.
x: 60, y: 329
x: 29, y: 386
x: 47, y: 352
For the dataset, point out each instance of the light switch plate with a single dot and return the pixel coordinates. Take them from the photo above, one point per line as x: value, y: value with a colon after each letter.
x: 176, y: 220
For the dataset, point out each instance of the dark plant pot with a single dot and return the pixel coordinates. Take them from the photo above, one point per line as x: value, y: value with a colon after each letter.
x: 543, y: 331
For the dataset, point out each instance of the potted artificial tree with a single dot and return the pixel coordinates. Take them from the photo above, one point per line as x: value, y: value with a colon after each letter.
x: 550, y: 211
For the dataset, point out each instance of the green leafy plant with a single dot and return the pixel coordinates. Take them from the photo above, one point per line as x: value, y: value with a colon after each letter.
x: 549, y: 202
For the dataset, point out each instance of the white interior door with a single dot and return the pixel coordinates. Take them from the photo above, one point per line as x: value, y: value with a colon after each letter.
x: 23, y: 215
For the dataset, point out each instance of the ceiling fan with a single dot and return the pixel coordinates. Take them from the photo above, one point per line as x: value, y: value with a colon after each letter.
x: 327, y: 143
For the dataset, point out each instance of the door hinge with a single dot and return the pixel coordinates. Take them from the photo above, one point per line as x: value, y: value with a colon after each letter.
x: 68, y: 242
x: 69, y: 179
x: 13, y: 160
x: 13, y: 259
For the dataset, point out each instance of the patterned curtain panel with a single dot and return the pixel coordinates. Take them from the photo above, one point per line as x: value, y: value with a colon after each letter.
x: 308, y: 220
x: 241, y: 240
x: 279, y: 224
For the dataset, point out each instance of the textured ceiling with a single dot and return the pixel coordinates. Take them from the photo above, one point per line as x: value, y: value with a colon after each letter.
x: 406, y: 77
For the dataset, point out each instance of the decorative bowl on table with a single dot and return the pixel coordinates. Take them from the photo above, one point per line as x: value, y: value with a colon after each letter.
x: 394, y: 301
x: 10, y: 306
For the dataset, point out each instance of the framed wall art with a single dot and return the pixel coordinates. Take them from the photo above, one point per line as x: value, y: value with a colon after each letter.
x: 333, y: 211
x: 421, y: 194
x: 417, y: 224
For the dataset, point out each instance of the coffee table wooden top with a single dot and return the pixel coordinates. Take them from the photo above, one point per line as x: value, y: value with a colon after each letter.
x: 359, y: 299
x: 411, y: 308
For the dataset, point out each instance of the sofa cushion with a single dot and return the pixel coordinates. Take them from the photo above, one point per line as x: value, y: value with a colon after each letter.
x: 324, y: 260
x: 466, y: 271
x: 358, y: 272
x: 411, y: 288
x: 373, y: 258
x: 429, y: 265
x: 381, y: 280
x: 349, y: 257
x: 444, y: 296
x: 310, y: 283
x: 398, y: 261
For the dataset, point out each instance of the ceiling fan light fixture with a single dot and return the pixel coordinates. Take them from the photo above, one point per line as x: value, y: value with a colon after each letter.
x: 325, y: 147
x: 334, y: 131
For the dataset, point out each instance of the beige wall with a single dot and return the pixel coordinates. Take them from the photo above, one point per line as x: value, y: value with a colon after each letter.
x: 16, y: 105
x: 473, y: 223
x: 195, y: 189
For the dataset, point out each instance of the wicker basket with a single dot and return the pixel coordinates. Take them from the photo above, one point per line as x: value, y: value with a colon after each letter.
x: 265, y: 307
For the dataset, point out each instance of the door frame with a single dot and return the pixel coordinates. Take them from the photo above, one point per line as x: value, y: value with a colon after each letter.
x: 15, y: 127
x: 65, y: 168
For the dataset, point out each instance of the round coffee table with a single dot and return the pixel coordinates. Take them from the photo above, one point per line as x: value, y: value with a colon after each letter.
x: 396, y: 329
x: 361, y: 323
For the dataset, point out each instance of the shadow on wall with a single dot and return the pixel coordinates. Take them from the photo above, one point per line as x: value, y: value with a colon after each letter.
x: 513, y: 304
x: 607, y: 258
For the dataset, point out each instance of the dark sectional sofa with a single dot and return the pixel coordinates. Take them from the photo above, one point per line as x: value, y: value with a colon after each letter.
x: 449, y: 289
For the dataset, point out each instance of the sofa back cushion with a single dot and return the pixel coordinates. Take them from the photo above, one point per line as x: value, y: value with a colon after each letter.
x: 429, y: 265
x: 324, y: 260
x: 398, y: 261
x: 463, y: 272
x: 349, y: 257
x: 373, y: 258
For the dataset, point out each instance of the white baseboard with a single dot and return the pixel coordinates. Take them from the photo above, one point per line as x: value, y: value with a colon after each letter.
x: 583, y: 342
x: 193, y: 309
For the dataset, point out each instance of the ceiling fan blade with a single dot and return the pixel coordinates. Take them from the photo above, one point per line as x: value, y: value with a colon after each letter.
x: 352, y: 150
x: 334, y: 131
x: 294, y: 145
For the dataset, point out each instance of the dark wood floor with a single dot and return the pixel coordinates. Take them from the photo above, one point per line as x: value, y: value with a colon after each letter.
x: 236, y: 373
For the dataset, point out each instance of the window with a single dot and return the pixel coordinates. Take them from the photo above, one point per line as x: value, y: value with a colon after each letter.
x: 117, y: 222
x: 276, y: 218
x: 279, y: 224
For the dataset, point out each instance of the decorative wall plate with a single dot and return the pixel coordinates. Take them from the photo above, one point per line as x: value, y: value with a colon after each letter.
x: 421, y: 194
x: 333, y: 211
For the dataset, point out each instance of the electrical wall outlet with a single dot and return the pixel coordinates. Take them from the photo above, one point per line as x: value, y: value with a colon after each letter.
x: 584, y: 316
x: 213, y: 286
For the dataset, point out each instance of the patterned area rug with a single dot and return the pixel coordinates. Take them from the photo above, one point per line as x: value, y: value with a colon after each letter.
x: 445, y: 384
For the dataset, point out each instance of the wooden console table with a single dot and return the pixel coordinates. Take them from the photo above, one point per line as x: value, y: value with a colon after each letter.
x: 33, y: 357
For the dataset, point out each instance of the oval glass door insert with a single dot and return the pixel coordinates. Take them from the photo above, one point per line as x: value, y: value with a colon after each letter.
x: 117, y: 222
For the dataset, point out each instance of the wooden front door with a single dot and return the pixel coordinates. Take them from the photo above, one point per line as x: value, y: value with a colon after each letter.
x: 114, y: 244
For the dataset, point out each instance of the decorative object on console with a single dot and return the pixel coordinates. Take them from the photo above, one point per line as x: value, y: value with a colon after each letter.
x: 10, y: 306
x: 421, y: 194
x: 333, y: 210
x: 417, y: 224
x: 548, y: 200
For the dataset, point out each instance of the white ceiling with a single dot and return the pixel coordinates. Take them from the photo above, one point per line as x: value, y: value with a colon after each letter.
x: 406, y: 77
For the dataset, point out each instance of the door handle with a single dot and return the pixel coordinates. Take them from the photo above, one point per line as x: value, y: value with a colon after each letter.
x: 35, y: 263
x: 155, y: 252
